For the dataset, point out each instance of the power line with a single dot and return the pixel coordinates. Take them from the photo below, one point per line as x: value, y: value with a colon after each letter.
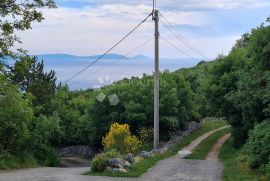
x: 177, y: 48
x: 100, y: 57
x: 128, y: 53
x: 180, y: 37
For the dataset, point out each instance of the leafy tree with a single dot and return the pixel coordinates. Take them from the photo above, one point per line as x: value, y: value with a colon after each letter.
x: 29, y: 74
x: 240, y: 82
x: 16, y: 115
x: 18, y: 16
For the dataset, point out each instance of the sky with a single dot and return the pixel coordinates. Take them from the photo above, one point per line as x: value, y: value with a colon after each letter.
x: 89, y: 27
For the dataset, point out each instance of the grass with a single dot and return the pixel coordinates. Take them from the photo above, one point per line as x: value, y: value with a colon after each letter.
x: 12, y: 162
x: 142, y: 167
x: 236, y: 166
x: 206, y: 145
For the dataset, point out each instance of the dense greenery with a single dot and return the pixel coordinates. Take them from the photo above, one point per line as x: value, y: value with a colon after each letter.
x: 236, y: 164
x: 37, y: 115
x: 258, y: 147
x: 240, y: 83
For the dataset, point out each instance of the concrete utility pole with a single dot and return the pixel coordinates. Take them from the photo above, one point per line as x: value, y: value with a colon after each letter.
x: 156, y: 81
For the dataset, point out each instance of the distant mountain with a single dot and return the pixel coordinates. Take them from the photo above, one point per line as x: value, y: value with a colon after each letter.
x: 114, y: 66
x: 74, y: 57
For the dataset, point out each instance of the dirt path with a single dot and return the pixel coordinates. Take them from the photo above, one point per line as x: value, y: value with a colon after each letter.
x: 188, y: 149
x: 213, y: 154
x: 171, y: 169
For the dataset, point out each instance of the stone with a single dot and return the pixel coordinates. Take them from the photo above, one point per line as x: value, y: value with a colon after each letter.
x: 184, y: 152
x: 118, y: 163
x: 126, y: 164
x: 115, y: 170
x: 130, y: 158
x: 123, y: 170
x: 108, y: 169
x: 146, y: 154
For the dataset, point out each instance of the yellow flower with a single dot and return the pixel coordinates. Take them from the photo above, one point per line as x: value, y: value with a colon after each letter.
x: 119, y: 137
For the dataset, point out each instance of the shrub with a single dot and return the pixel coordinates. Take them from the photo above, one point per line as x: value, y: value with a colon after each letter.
x: 99, y: 163
x: 112, y: 154
x: 146, y: 135
x: 258, y: 146
x: 121, y: 139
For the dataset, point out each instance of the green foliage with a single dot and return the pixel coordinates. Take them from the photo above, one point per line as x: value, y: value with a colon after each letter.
x: 113, y: 153
x: 16, y: 114
x: 258, y: 146
x: 146, y: 135
x: 236, y: 164
x: 70, y: 107
x: 18, y: 16
x: 136, y: 105
x: 29, y: 74
x: 239, y: 84
x: 99, y: 163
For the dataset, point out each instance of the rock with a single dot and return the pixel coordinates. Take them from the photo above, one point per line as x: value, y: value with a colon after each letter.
x: 130, y: 158
x: 184, y: 152
x: 115, y: 170
x: 192, y: 126
x: 108, y: 169
x: 146, y: 154
x: 123, y: 170
x: 126, y: 164
x: 118, y: 163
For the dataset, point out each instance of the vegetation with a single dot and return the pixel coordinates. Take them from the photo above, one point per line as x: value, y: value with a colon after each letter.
x: 37, y: 115
x: 120, y: 138
x: 206, y: 145
x: 100, y: 162
x: 143, y: 165
x: 236, y: 164
x: 258, y: 147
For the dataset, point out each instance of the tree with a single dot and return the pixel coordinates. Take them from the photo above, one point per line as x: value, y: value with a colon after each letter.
x: 29, y: 74
x: 18, y: 16
x: 16, y: 115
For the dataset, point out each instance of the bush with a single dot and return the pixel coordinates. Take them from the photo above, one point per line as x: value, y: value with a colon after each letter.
x: 99, y: 163
x: 121, y: 139
x: 258, y: 146
x: 146, y: 135
x: 112, y: 154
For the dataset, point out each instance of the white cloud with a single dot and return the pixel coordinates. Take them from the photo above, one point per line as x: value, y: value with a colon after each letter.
x: 92, y: 30
x: 187, y: 4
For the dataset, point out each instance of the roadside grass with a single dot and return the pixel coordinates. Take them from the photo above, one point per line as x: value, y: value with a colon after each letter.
x: 12, y: 162
x: 236, y: 165
x: 142, y: 167
x: 206, y: 145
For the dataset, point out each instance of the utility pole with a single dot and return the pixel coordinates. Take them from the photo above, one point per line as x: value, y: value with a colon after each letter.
x: 156, y: 80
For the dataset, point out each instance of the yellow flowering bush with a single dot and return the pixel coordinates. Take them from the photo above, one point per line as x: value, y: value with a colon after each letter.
x: 120, y: 138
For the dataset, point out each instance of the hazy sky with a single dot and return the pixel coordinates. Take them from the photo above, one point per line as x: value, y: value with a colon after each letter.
x: 87, y: 27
